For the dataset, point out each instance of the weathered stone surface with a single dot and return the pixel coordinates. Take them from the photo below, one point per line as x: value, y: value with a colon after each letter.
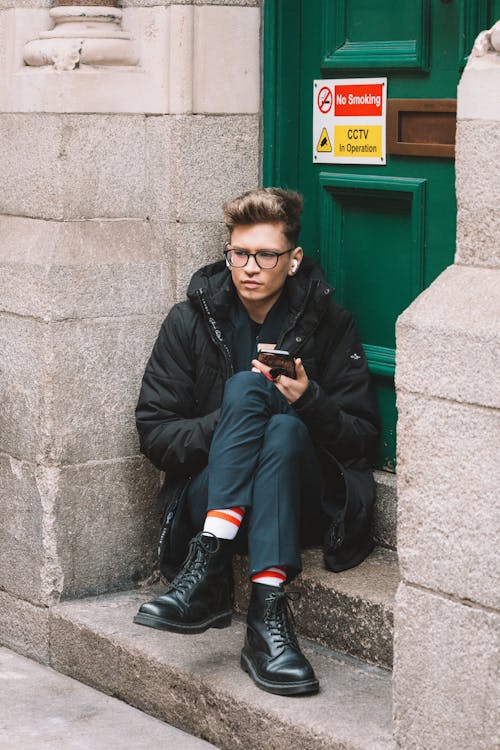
x: 106, y: 525
x: 5, y: 4
x: 349, y: 611
x: 26, y: 555
x: 446, y: 673
x: 23, y: 366
x: 217, y: 86
x: 95, y: 379
x: 228, y: 2
x: 448, y: 340
x: 477, y: 96
x: 70, y: 388
x: 57, y: 270
x: 384, y: 526
x: 197, y: 684
x: 196, y: 163
x: 478, y: 191
x: 76, y: 530
x: 127, y: 3
x: 195, y: 246
x: 43, y: 709
x: 25, y: 629
x: 79, y: 160
x: 448, y: 514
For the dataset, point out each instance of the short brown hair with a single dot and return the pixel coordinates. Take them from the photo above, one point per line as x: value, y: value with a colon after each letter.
x: 269, y: 206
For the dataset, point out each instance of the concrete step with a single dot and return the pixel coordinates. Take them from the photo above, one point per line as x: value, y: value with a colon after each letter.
x: 385, y: 511
x: 45, y: 710
x: 196, y: 683
x: 351, y: 611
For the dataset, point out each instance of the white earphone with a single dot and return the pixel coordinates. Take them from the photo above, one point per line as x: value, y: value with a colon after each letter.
x: 295, y: 266
x: 228, y: 264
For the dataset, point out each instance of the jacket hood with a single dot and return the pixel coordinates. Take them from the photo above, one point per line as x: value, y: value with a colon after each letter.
x: 215, y: 283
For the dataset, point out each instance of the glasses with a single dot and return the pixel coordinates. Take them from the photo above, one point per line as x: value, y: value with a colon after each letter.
x: 266, y: 259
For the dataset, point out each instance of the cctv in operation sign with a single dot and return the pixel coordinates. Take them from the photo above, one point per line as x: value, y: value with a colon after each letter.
x: 349, y: 119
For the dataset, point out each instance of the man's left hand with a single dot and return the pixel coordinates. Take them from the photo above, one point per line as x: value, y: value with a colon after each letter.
x: 291, y: 388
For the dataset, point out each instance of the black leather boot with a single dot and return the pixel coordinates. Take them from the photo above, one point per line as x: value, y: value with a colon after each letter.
x: 200, y: 596
x: 271, y: 654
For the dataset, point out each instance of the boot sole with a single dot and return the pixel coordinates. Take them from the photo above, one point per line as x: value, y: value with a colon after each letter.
x: 222, y: 620
x: 301, y: 687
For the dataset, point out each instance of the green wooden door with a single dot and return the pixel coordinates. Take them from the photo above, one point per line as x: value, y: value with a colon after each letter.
x: 381, y: 233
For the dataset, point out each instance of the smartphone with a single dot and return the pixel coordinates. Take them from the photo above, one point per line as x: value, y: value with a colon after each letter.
x: 279, y: 360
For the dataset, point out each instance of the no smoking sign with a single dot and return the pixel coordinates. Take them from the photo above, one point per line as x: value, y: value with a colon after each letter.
x: 325, y: 100
x: 349, y: 121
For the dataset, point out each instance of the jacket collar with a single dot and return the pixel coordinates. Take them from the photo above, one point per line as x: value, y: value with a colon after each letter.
x: 214, y: 282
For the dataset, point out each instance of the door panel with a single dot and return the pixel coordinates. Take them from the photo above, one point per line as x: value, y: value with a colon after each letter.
x: 354, y: 36
x: 372, y: 233
x: 358, y: 214
x: 381, y: 233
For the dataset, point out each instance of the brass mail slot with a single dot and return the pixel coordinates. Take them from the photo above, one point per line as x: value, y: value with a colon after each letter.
x: 421, y: 127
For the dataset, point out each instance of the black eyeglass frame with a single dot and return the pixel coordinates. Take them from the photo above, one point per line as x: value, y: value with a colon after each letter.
x: 276, y: 254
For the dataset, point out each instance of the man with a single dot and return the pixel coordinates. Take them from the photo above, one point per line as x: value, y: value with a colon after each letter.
x: 241, y: 443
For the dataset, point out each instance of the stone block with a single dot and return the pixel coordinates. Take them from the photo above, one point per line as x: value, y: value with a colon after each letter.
x: 24, y: 628
x: 477, y: 95
x: 73, y: 530
x: 131, y: 3
x: 7, y: 4
x: 73, y: 166
x: 197, y: 245
x: 248, y: 3
x: 478, y: 191
x: 59, y: 270
x: 197, y: 684
x: 22, y: 530
x: 446, y: 677
x: 96, y: 372
x: 448, y: 514
x: 447, y: 342
x: 196, y: 163
x: 181, y: 54
x: 384, y: 525
x: 148, y: 3
x: 186, y: 248
x: 165, y: 238
x: 226, y: 60
x: 70, y: 388
x: 24, y: 346
x: 163, y: 163
x: 106, y: 525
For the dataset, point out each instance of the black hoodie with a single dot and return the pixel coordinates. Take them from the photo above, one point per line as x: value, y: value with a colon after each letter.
x: 184, y: 381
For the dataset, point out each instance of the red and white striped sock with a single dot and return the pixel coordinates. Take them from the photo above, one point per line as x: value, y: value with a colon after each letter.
x: 275, y: 576
x: 224, y: 523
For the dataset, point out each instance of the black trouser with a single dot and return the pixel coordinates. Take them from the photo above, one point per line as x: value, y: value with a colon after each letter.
x: 262, y: 458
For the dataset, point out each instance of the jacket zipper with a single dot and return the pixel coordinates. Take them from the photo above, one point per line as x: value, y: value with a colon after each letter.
x: 215, y: 333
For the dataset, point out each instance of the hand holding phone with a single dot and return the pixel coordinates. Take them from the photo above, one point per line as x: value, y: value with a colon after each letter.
x: 280, y: 362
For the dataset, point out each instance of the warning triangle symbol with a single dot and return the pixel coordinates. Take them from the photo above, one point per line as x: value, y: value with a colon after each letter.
x: 324, y: 144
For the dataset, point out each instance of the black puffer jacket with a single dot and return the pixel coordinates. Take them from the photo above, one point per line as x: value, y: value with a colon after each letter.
x: 183, y: 385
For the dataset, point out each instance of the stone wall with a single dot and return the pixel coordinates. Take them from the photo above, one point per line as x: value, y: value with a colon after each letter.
x: 447, y: 619
x: 111, y: 183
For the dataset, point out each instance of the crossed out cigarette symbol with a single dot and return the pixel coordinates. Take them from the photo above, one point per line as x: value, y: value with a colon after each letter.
x: 325, y: 100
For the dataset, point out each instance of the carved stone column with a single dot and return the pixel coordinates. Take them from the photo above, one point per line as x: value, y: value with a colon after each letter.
x: 89, y: 34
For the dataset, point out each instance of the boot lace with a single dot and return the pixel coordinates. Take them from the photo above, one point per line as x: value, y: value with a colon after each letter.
x: 279, y: 618
x: 195, y: 563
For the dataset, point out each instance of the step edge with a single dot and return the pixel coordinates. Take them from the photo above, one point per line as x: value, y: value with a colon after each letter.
x: 63, y: 612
